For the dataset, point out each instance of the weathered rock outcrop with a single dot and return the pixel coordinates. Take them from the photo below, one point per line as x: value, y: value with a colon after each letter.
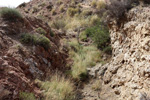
x: 129, y: 70
x: 128, y: 73
x: 20, y: 64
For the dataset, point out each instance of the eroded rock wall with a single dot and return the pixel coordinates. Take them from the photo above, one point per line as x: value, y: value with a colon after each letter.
x: 128, y: 74
x: 21, y: 64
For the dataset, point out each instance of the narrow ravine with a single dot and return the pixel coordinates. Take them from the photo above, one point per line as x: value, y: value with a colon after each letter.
x: 75, y: 50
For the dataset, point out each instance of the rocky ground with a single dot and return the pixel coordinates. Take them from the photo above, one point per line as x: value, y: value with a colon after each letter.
x: 125, y: 77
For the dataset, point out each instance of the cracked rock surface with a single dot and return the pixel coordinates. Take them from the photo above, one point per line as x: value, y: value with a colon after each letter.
x: 128, y: 73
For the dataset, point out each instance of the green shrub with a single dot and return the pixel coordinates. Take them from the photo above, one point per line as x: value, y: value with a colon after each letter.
x: 35, y: 40
x: 10, y: 14
x: 26, y: 96
x: 41, y: 31
x: 52, y: 33
x: 43, y: 41
x: 72, y: 11
x: 27, y: 38
x: 108, y: 50
x: 100, y: 36
x: 58, y: 88
x: 83, y: 36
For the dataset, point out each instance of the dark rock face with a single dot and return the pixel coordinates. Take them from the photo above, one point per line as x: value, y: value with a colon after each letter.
x: 20, y: 64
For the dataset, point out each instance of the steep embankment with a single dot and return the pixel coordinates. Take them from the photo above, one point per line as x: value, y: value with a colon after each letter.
x: 21, y: 63
x: 127, y: 74
x: 47, y: 9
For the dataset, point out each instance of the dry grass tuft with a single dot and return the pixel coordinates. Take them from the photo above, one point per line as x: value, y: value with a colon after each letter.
x: 58, y: 88
x: 96, y: 85
x: 101, y: 4
x: 83, y: 57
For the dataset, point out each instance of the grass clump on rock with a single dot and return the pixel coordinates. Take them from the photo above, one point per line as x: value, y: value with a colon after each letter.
x: 35, y: 39
x: 58, y: 24
x: 101, y: 4
x: 97, y: 85
x: 41, y: 30
x: 57, y: 88
x: 72, y: 11
x: 26, y: 96
x: 10, y: 14
x: 93, y: 3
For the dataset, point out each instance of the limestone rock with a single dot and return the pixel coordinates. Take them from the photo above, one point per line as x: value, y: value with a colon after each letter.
x: 128, y: 72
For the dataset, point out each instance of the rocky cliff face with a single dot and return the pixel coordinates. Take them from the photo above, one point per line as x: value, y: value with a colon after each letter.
x: 20, y: 64
x: 128, y: 74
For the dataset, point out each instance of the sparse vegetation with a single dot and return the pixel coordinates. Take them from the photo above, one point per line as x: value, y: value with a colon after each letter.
x: 83, y: 57
x: 95, y: 20
x: 10, y: 14
x: 61, y: 8
x: 114, y: 9
x: 96, y: 85
x: 35, y: 9
x: 94, y: 41
x: 35, y: 39
x: 72, y: 11
x: 26, y: 10
x: 86, y: 13
x: 58, y: 24
x: 100, y: 4
x: 41, y: 31
x: 26, y: 96
x: 93, y: 3
x: 41, y: 17
x: 83, y: 36
x: 80, y: 21
x: 73, y: 3
x: 53, y: 11
x: 59, y: 2
x: 108, y: 49
x: 117, y: 9
x: 42, y: 4
x: 52, y: 33
x: 76, y: 22
x: 58, y: 88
